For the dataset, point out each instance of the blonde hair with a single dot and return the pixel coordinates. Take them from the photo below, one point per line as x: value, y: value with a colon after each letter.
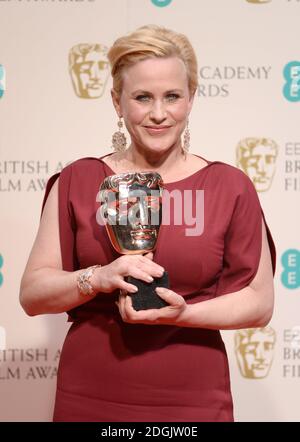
x: 149, y: 42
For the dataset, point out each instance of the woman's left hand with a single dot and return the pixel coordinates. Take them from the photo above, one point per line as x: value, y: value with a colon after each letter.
x: 166, y: 315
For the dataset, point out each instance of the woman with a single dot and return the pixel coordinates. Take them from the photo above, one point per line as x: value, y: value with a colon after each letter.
x: 167, y: 364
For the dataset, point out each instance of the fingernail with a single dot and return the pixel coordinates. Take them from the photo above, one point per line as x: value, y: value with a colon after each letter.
x: 134, y: 290
x: 150, y: 279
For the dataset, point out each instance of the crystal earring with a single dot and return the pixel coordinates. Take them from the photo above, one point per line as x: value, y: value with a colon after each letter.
x: 119, y: 142
x: 186, y: 138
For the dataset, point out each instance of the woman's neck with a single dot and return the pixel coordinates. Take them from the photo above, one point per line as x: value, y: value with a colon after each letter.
x: 148, y: 161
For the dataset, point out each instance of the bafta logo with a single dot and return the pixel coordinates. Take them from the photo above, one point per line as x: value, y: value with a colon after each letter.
x: 257, y: 158
x: 88, y: 67
x: 254, y: 350
x: 259, y: 1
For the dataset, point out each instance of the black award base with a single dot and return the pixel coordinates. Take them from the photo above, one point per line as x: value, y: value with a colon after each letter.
x: 146, y: 297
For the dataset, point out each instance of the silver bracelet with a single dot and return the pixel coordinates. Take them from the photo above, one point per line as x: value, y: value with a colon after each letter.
x: 84, y: 280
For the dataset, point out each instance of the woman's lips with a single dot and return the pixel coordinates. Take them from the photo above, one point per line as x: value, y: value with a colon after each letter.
x: 157, y: 130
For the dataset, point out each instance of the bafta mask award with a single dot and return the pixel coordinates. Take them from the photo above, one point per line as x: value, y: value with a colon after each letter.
x: 131, y: 207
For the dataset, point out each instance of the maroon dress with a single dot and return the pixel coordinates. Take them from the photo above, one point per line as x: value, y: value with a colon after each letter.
x: 112, y: 371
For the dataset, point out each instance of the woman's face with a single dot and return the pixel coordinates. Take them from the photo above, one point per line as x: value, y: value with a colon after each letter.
x: 155, y: 103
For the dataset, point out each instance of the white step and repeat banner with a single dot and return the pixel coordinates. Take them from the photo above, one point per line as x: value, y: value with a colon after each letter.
x: 55, y: 107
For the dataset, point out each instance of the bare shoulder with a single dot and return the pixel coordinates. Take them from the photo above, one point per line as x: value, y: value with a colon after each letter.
x: 116, y: 162
x: 191, y: 164
x: 51, y: 204
x: 46, y: 248
x: 195, y: 162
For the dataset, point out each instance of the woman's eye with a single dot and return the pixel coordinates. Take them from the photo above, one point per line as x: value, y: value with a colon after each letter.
x: 142, y: 98
x: 172, y: 97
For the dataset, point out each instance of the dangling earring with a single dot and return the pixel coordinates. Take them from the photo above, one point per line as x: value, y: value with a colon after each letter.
x: 119, y: 142
x: 186, y: 138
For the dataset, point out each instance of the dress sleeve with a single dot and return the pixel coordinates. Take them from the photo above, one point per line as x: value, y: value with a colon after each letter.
x: 67, y: 226
x: 49, y: 185
x: 243, y: 240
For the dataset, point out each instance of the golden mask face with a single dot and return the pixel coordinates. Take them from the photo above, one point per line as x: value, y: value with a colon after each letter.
x: 131, y: 204
x: 257, y: 158
x: 89, y: 70
x: 254, y: 349
x: 259, y: 1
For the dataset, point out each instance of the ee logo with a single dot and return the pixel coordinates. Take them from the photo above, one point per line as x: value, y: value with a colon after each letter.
x: 1, y: 276
x: 161, y: 3
x: 291, y: 89
x: 2, y: 80
x: 290, y: 277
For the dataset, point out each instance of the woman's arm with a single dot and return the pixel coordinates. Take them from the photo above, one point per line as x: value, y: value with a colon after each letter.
x: 250, y: 307
x: 46, y: 288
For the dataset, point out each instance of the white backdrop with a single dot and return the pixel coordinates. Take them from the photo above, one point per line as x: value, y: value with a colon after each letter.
x: 243, y: 48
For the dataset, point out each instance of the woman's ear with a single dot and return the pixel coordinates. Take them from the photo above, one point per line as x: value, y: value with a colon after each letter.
x: 116, y: 101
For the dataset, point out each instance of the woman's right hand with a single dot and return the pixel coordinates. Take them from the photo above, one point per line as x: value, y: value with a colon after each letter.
x: 108, y: 278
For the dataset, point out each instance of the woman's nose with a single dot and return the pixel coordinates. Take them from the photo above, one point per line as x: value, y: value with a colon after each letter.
x: 158, y: 111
